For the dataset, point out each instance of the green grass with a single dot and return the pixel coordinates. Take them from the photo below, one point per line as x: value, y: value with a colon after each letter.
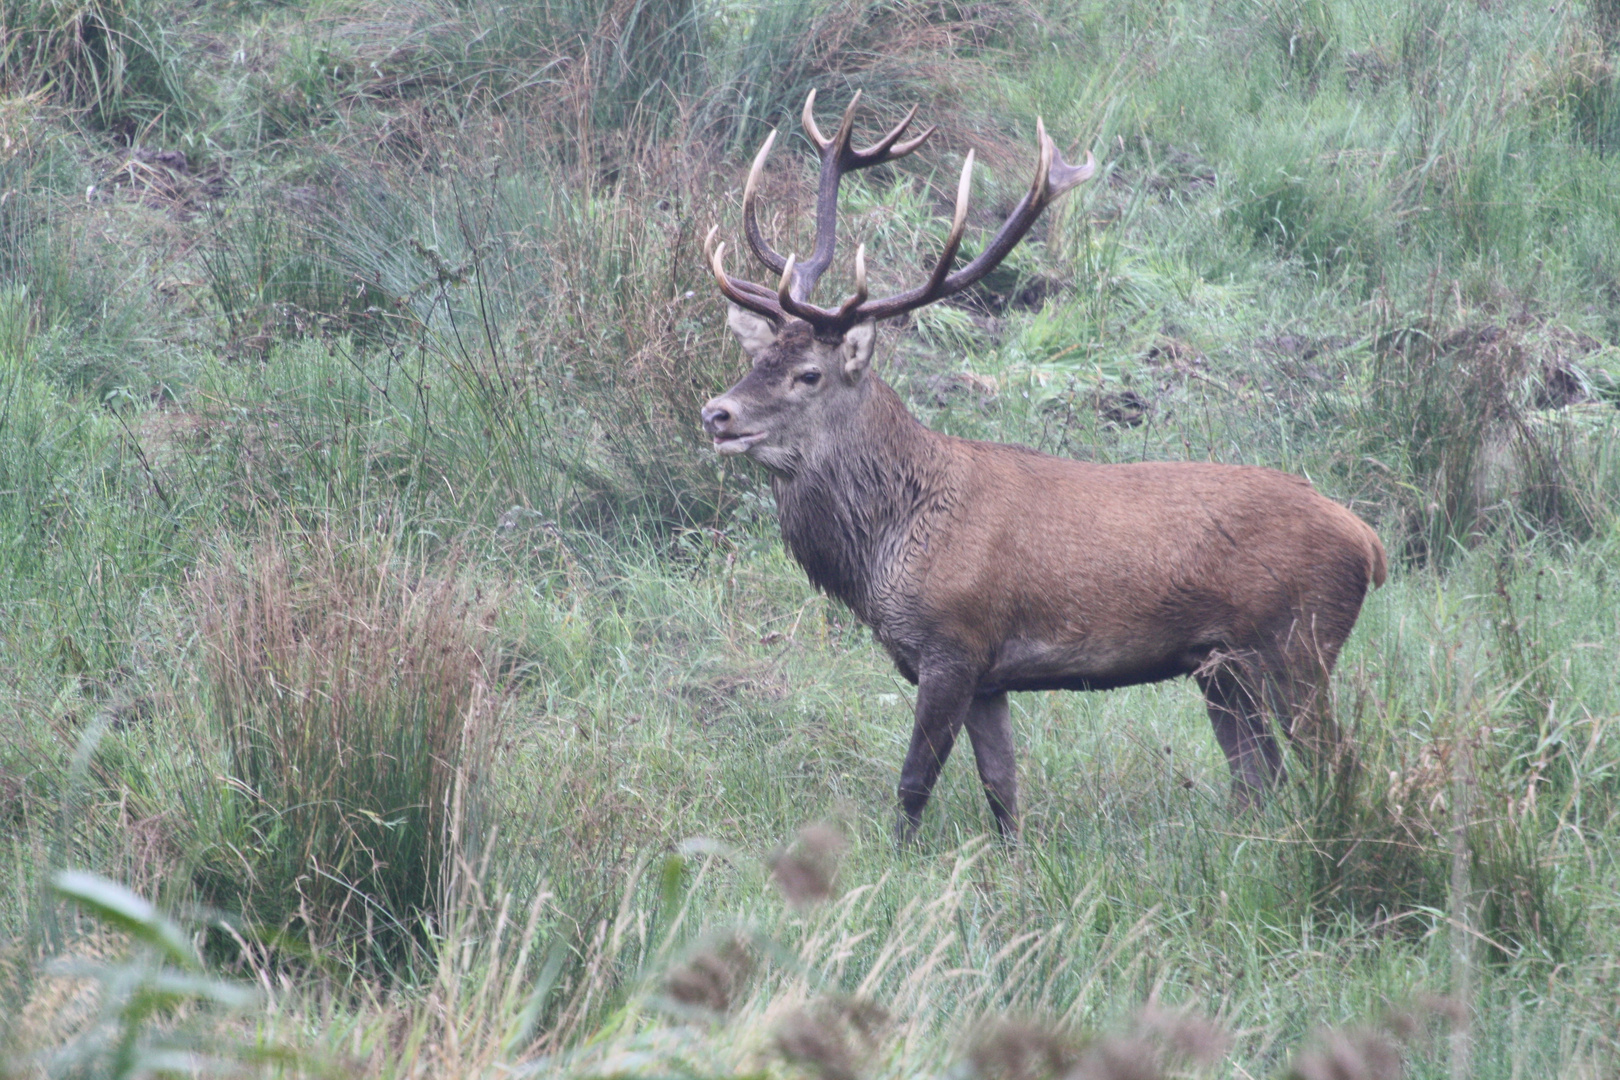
x: 405, y: 353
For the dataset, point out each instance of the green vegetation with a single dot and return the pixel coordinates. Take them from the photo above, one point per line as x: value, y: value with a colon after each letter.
x: 371, y: 604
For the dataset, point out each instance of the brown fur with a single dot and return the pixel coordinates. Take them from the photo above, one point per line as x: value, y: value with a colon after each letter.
x: 985, y: 568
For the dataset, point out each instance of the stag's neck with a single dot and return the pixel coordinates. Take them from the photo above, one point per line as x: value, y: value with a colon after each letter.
x: 853, y: 513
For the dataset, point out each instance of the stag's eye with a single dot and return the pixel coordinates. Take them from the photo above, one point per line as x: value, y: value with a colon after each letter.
x: 809, y: 378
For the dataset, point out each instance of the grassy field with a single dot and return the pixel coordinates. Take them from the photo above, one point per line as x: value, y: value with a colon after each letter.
x: 371, y: 604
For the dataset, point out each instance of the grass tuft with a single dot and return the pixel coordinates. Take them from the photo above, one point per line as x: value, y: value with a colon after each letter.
x: 114, y: 60
x: 354, y: 698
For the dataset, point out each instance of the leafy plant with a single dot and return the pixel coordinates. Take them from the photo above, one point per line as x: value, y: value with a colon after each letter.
x: 158, y: 1012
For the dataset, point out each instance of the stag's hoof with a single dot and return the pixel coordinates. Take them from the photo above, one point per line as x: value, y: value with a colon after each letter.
x: 905, y: 832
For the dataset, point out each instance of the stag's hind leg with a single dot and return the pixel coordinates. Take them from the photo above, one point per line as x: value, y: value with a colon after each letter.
x: 1234, y: 694
x: 989, y: 726
x: 1300, y: 695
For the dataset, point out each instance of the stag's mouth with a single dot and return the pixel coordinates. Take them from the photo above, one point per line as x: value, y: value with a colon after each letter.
x: 737, y: 444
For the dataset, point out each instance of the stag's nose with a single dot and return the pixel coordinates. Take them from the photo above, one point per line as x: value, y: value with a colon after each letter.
x: 716, y: 416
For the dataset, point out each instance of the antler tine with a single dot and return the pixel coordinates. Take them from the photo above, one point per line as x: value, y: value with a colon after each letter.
x: 784, y: 286
x: 746, y: 294
x: 964, y: 188
x: 858, y: 297
x: 1066, y: 176
x: 709, y: 249
x: 847, y: 125
x: 911, y: 144
x: 808, y: 118
x: 880, y: 149
x: 750, y: 293
x: 756, y: 239
x: 1045, y: 151
x: 1053, y: 176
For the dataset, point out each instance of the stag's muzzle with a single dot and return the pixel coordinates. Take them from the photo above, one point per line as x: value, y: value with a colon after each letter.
x: 720, y: 421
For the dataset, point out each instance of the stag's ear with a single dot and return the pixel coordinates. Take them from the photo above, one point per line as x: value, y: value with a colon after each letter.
x: 755, y: 332
x: 857, y: 348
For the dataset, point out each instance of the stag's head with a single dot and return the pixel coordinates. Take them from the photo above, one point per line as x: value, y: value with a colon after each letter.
x: 810, y: 362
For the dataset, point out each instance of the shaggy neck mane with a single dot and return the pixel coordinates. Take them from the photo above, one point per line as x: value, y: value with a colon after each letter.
x: 848, y: 511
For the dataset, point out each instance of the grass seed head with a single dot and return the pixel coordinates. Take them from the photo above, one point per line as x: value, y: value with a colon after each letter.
x: 1356, y: 1054
x: 816, y: 1044
x: 1008, y: 1049
x: 1119, y: 1058
x: 1413, y: 1023
x: 807, y: 872
x: 1186, y: 1035
x: 833, y: 1037
x: 711, y: 977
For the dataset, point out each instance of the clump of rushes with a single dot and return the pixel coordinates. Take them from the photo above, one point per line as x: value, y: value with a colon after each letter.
x: 109, y: 60
x: 353, y: 698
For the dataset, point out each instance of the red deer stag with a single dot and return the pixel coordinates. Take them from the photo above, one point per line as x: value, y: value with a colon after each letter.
x: 985, y: 568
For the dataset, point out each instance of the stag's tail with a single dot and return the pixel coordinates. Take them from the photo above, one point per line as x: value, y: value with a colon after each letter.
x: 1377, y: 561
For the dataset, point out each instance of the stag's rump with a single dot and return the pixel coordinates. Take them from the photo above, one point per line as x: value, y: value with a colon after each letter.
x: 1058, y: 574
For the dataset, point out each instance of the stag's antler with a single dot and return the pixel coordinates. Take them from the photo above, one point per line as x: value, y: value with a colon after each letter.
x: 790, y: 299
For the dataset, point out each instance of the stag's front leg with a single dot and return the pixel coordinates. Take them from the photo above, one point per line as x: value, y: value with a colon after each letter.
x: 943, y: 697
x: 989, y: 727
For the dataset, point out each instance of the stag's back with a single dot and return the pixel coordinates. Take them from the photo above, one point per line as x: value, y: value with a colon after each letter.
x: 1146, y: 565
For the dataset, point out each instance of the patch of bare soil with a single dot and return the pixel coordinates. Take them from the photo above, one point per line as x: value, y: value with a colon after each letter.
x: 164, y: 180
x: 1174, y: 173
x: 716, y: 694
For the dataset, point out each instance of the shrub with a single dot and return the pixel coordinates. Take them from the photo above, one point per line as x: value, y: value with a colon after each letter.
x: 1451, y: 415
x: 353, y: 697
